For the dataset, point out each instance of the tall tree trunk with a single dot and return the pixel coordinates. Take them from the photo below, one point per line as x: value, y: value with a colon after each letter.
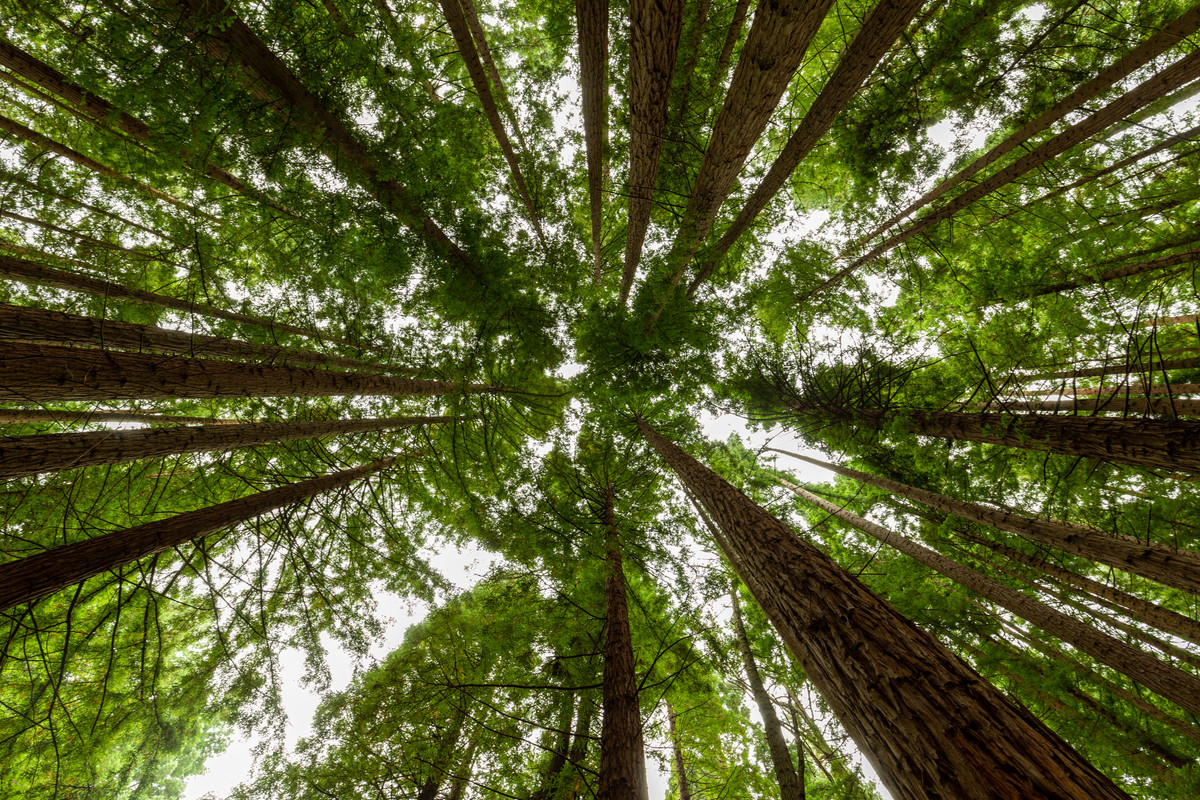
x: 33, y: 416
x: 736, y: 23
x: 1175, y: 685
x: 1116, y: 393
x: 19, y: 269
x: 1126, y: 368
x: 694, y: 47
x: 1132, y: 61
x: 929, y: 724
x: 622, y: 755
x: 790, y: 787
x: 879, y: 31
x: 685, y: 791
x: 654, y: 31
x: 1114, y: 404
x: 1182, y: 71
x: 591, y: 17
x: 443, y: 760
x: 9, y: 177
x: 579, y: 747
x: 83, y: 237
x: 45, y: 373
x: 31, y: 577
x: 40, y: 325
x: 1178, y: 568
x: 51, y: 452
x: 458, y: 786
x: 553, y: 772
x: 1141, y: 268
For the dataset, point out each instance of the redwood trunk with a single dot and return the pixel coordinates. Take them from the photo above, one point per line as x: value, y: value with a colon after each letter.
x: 30, y: 455
x: 930, y: 725
x: 552, y: 775
x: 444, y: 758
x: 35, y: 576
x: 33, y: 416
x: 685, y: 791
x: 591, y: 17
x: 1114, y: 404
x: 45, y: 373
x: 790, y: 787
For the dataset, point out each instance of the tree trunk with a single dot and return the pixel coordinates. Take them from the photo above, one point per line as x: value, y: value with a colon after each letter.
x: 694, y: 47
x: 622, y: 755
x: 458, y: 786
x: 1138, y: 367
x: 591, y: 17
x: 731, y: 39
x: 9, y: 177
x: 579, y: 748
x: 1141, y: 268
x: 685, y: 792
x: 879, y: 31
x: 654, y: 31
x: 39, y: 325
x: 52, y: 452
x: 33, y: 416
x: 931, y: 726
x: 1116, y: 393
x: 444, y: 758
x: 28, y: 272
x: 31, y: 577
x: 552, y: 774
x: 1132, y: 61
x: 44, y: 373
x: 1114, y: 404
x: 1166, y: 565
x: 790, y: 787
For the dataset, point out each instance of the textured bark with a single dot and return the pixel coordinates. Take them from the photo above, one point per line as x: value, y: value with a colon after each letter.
x: 591, y: 17
x: 52, y: 452
x: 29, y: 272
x: 460, y: 29
x: 1126, y: 271
x: 879, y: 31
x: 33, y: 416
x: 458, y: 786
x: 35, y: 576
x: 1117, y: 404
x: 685, y: 791
x: 1118, y: 393
x: 790, y: 787
x: 1178, y: 568
x: 1182, y: 71
x: 1135, y: 59
x: 931, y: 726
x: 654, y: 31
x: 43, y: 373
x: 693, y: 47
x: 1174, y: 684
x: 29, y: 324
x: 622, y: 754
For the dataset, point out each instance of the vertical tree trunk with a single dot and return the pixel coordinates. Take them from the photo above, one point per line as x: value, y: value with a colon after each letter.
x: 591, y: 18
x: 552, y: 774
x: 44, y: 373
x: 1177, y: 686
x: 579, y: 748
x: 654, y: 31
x: 736, y: 24
x: 1178, y: 568
x: 790, y: 787
x: 51, y: 452
x: 622, y: 755
x: 31, y: 577
x: 32, y: 416
x: 443, y: 760
x: 930, y: 725
x: 462, y: 776
x: 685, y: 792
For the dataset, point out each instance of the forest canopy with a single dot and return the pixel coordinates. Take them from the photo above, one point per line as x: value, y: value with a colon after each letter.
x: 296, y: 295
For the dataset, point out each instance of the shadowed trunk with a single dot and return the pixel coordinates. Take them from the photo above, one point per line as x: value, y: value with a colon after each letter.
x: 591, y: 17
x: 33, y: 416
x: 685, y: 792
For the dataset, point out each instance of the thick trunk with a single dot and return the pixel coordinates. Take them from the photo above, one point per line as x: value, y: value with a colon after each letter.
x: 790, y: 787
x: 685, y: 791
x: 1184, y: 70
x: 930, y: 725
x: 51, y: 452
x: 1166, y: 565
x: 35, y: 576
x: 1135, y: 59
x: 39, y: 325
x: 1175, y: 685
x: 33, y: 416
x: 44, y: 373
x: 879, y: 31
x: 622, y: 754
x: 19, y: 269
x: 591, y: 17
x: 655, y: 26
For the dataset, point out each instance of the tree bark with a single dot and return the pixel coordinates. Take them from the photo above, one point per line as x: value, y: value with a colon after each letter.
x: 731, y: 39
x: 33, y: 416
x: 1115, y: 392
x: 655, y: 26
x: 879, y: 31
x: 591, y: 17
x: 1141, y: 268
x: 930, y: 725
x: 622, y: 754
x: 552, y: 774
x: 579, y: 747
x: 52, y: 452
x: 43, y: 373
x: 458, y: 786
x: 1175, y: 685
x: 790, y: 787
x: 31, y: 577
x: 685, y: 792
x: 1114, y: 404
x: 1137, y: 367
x: 1178, y: 568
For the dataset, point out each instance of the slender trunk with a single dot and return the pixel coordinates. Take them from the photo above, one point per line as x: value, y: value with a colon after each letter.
x: 655, y: 26
x: 731, y: 39
x: 1141, y: 268
x: 52, y: 452
x: 1182, y: 71
x: 44, y: 373
x: 443, y: 760
x: 591, y: 17
x: 800, y: 777
x: 28, y: 272
x: 1120, y: 392
x: 39, y: 325
x: 685, y: 792
x: 1132, y: 61
x: 879, y: 32
x: 458, y: 786
x: 33, y: 416
x: 31, y: 577
x: 82, y: 237
x: 1166, y: 565
x: 790, y: 787
x: 1114, y: 404
x: 1126, y: 368
x: 489, y: 63
x: 622, y: 755
x: 553, y: 773
x: 930, y: 725
x: 694, y: 47
x: 9, y: 177
x: 579, y: 748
